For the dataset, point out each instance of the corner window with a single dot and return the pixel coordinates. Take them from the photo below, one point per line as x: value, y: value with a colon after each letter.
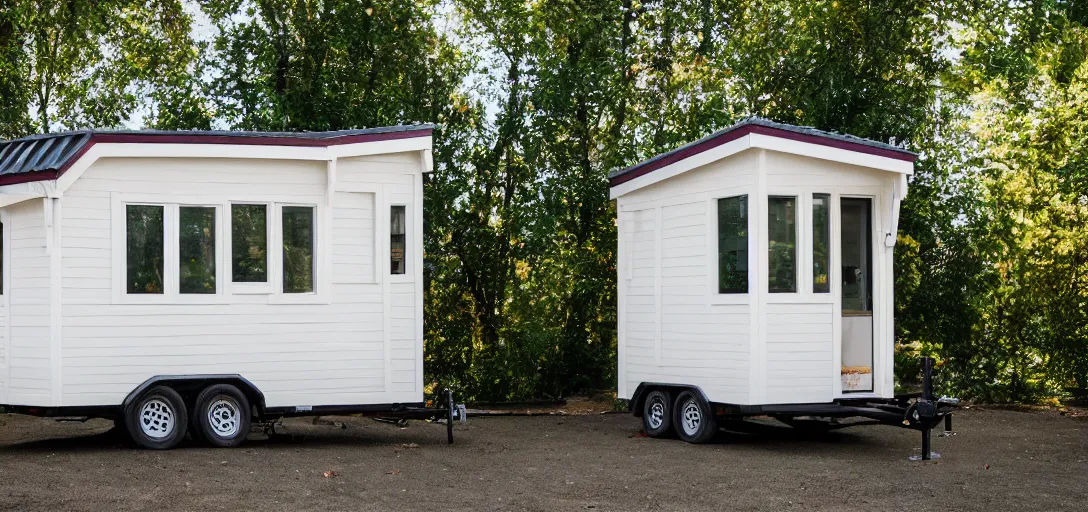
x: 782, y: 244
x: 733, y: 244
x: 1, y: 258
x: 144, y: 249
x: 821, y: 243
x: 196, y: 249
x: 298, y: 249
x: 249, y: 243
x: 396, y: 240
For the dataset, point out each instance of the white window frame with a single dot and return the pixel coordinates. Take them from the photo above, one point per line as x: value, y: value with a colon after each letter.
x: 799, y: 246
x: 171, y: 249
x: 254, y: 288
x: 712, y: 249
x: 276, y: 260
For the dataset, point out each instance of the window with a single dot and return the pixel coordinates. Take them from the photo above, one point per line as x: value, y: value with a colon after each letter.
x: 396, y: 240
x: 196, y: 249
x: 782, y: 244
x: 298, y: 249
x: 1, y: 258
x: 856, y: 241
x: 249, y: 243
x: 733, y: 244
x: 144, y: 255
x: 821, y: 242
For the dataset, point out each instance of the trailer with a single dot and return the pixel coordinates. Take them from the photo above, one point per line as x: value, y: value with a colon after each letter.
x: 755, y: 278
x: 204, y: 281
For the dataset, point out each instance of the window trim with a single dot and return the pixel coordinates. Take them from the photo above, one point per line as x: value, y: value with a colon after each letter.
x: 810, y: 229
x: 386, y: 234
x: 171, y: 251
x: 254, y: 288
x: 315, y: 251
x: 799, y: 242
x: 320, y: 294
x: 715, y: 297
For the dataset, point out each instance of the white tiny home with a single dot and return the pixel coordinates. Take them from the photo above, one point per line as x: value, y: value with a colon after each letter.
x: 289, y: 263
x: 755, y: 268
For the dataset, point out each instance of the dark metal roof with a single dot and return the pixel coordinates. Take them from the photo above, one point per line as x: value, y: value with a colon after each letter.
x: 766, y: 127
x: 46, y: 156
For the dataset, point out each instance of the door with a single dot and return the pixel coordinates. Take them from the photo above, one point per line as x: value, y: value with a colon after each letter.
x: 856, y: 239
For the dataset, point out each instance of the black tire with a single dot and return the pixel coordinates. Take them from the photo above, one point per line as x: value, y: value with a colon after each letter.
x: 221, y: 416
x: 157, y: 420
x: 693, y: 419
x: 657, y: 413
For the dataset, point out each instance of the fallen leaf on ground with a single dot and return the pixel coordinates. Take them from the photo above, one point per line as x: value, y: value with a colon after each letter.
x: 394, y: 472
x: 409, y: 445
x: 330, y: 474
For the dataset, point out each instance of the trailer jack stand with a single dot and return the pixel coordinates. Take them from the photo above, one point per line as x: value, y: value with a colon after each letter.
x: 948, y: 432
x: 926, y: 410
x: 927, y: 452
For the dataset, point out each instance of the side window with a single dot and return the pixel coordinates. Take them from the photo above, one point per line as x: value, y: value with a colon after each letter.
x: 144, y: 249
x: 249, y: 243
x: 298, y: 249
x: 821, y: 243
x: 196, y: 249
x: 733, y: 244
x: 396, y: 240
x: 1, y: 258
x: 782, y: 244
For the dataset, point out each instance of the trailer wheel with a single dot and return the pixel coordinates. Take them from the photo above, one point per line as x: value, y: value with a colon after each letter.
x: 221, y: 416
x: 695, y: 421
x: 157, y: 420
x: 656, y: 416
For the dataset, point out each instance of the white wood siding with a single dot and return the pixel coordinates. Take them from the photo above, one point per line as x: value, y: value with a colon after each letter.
x: 348, y: 347
x: 673, y: 331
x: 799, y: 353
x: 29, y: 362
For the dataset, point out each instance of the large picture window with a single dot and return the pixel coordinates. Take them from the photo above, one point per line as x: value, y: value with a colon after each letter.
x: 144, y: 249
x: 196, y: 249
x: 821, y: 243
x: 396, y: 240
x: 298, y: 249
x: 249, y: 243
x: 733, y: 244
x: 782, y: 247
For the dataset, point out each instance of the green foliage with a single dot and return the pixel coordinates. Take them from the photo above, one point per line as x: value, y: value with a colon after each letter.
x: 536, y: 101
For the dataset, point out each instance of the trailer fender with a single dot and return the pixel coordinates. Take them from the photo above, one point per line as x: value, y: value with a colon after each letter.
x: 639, y: 396
x: 189, y: 385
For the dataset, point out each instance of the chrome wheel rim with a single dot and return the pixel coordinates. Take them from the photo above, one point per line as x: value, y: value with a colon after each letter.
x: 157, y: 419
x: 224, y: 417
x: 692, y: 417
x: 656, y: 416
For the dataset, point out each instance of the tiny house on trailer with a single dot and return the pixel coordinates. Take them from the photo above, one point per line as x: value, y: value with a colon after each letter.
x: 755, y: 277
x: 203, y: 280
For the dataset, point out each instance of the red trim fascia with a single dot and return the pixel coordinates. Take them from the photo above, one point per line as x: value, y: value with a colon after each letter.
x: 762, y: 130
x: 27, y: 177
x: 150, y: 138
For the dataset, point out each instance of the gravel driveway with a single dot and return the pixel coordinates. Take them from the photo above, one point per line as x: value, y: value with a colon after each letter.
x: 1000, y: 460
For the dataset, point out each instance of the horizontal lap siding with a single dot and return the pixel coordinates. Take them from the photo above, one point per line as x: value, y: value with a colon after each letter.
x: 297, y: 354
x: 29, y: 363
x: 702, y: 344
x: 799, y: 353
x: 394, y: 174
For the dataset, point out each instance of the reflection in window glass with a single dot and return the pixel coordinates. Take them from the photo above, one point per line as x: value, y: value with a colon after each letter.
x: 196, y: 246
x: 298, y: 249
x: 249, y: 243
x: 782, y: 238
x: 144, y: 248
x: 396, y: 239
x: 821, y: 242
x: 733, y: 244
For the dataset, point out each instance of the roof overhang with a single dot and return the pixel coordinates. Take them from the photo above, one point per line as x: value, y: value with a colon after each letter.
x: 732, y: 141
x: 52, y: 183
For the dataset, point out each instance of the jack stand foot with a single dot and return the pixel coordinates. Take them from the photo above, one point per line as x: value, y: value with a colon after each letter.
x: 932, y: 456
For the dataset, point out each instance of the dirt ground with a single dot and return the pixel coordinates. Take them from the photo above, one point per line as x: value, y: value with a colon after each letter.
x: 1000, y: 460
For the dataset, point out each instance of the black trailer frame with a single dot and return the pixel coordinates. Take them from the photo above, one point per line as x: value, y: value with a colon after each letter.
x: 917, y: 411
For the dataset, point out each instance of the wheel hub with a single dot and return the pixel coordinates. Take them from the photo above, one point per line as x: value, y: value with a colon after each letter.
x: 224, y: 416
x: 693, y: 417
x: 657, y: 414
x: 156, y: 419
